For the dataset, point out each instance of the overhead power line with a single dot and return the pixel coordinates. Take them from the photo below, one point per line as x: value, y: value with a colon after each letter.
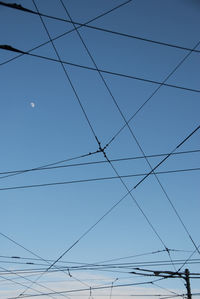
x: 126, y: 35
x: 126, y: 124
x: 162, y: 288
x: 29, y: 280
x: 93, y: 288
x: 94, y: 267
x: 12, y: 49
x: 143, y: 254
x: 102, y: 150
x: 58, y: 269
x: 84, y: 263
x: 163, y: 160
x: 67, y: 32
x: 41, y: 168
x: 97, y: 179
x: 85, y: 116
x: 119, y: 202
x: 153, y: 93
x: 23, y: 285
x: 132, y: 135
x: 14, y: 173
x: 190, y: 256
x: 136, y: 140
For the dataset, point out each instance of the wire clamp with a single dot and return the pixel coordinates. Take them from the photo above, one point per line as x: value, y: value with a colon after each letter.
x: 69, y: 273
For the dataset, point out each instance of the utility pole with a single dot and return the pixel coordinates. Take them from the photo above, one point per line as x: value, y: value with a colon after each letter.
x: 187, y: 280
x: 186, y: 275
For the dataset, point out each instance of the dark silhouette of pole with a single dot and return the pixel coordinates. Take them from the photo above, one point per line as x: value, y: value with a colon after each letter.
x: 184, y: 275
x: 187, y: 280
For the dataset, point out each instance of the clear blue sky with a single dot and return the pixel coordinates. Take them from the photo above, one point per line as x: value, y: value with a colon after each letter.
x: 48, y: 220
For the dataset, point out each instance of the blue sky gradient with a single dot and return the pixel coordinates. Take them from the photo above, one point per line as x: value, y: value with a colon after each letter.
x: 48, y: 220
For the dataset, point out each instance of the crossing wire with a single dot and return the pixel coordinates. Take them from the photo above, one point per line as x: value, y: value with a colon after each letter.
x: 91, y: 129
x: 10, y: 48
x: 111, y: 289
x: 109, y: 211
x: 36, y: 255
x: 9, y: 173
x: 155, y: 91
x: 83, y: 111
x: 27, y: 279
x: 97, y: 179
x: 83, y: 263
x: 104, y: 267
x: 104, y: 156
x: 46, y: 166
x: 126, y: 124
x: 67, y: 32
x: 132, y: 134
x: 190, y: 256
x: 93, y: 288
x: 22, y: 8
x: 23, y: 285
x: 96, y: 267
x: 99, y: 144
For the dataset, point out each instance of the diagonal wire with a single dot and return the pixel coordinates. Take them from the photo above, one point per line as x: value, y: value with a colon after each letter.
x: 104, y: 71
x: 27, y: 279
x: 129, y: 193
x: 110, y: 210
x: 14, y: 173
x: 130, y: 129
x: 111, y: 288
x: 77, y: 279
x: 41, y: 168
x: 67, y: 32
x: 165, y: 289
x: 93, y: 288
x: 173, y: 207
x: 169, y: 155
x: 81, y: 106
x: 22, y: 8
x: 23, y: 285
x: 39, y: 257
x: 133, y: 256
x: 96, y: 179
x: 90, y: 128
x: 101, y: 263
x: 68, y: 78
x: 102, y: 267
x: 104, y: 156
x: 151, y: 96
x: 190, y: 256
